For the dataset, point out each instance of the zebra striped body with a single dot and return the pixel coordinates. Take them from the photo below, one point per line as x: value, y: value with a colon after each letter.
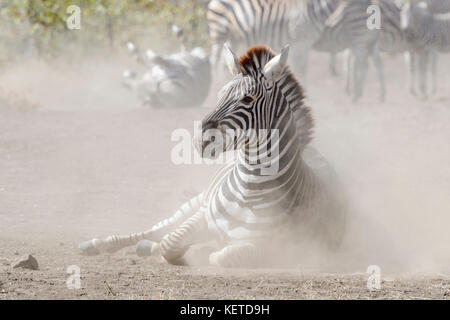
x: 247, y: 210
x: 427, y: 24
x: 347, y: 29
x: 275, y: 23
x: 246, y: 23
x: 427, y: 27
x: 177, y: 80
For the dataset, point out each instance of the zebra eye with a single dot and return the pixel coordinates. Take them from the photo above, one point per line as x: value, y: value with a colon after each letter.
x: 247, y: 99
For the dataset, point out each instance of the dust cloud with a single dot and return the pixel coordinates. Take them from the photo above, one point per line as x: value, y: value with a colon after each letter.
x: 88, y: 160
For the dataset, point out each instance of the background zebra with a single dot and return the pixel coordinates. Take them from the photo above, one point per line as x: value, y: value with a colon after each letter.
x: 275, y: 23
x: 178, y: 80
x: 426, y: 24
x: 324, y: 25
x: 347, y: 29
x: 390, y: 38
x: 245, y: 211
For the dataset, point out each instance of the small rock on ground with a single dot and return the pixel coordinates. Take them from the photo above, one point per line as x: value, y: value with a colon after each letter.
x: 27, y: 262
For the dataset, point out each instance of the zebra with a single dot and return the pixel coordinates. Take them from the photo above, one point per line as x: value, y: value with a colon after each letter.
x: 177, y: 80
x: 244, y: 23
x: 426, y: 24
x: 324, y: 25
x: 348, y: 25
x: 171, y: 81
x: 246, y: 211
x: 347, y: 31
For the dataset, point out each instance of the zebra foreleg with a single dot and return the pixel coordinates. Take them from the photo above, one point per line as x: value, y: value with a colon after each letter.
x: 332, y: 65
x: 424, y: 59
x: 246, y: 255
x: 300, y: 62
x: 360, y: 68
x: 348, y: 67
x: 194, y: 230
x: 434, y: 58
x: 380, y: 69
x: 114, y: 243
x: 216, y: 56
x: 411, y: 60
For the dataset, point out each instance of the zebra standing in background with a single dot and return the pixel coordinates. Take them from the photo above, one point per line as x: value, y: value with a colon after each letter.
x: 275, y: 23
x: 426, y: 24
x: 347, y: 29
x: 245, y: 210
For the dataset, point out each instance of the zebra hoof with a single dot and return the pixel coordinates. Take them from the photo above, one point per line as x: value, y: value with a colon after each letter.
x: 87, y: 248
x: 144, y: 248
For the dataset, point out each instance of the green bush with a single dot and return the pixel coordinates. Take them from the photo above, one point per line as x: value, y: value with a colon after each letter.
x: 39, y: 26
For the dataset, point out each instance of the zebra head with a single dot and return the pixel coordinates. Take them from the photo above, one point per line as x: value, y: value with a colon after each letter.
x: 251, y: 105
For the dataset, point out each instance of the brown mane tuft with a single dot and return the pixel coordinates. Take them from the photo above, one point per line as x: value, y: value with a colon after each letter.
x: 253, y: 62
x: 255, y: 58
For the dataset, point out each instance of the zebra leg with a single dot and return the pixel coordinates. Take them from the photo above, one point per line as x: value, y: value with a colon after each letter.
x: 194, y: 230
x: 360, y: 68
x: 300, y: 62
x: 216, y: 55
x: 156, y: 233
x: 348, y: 72
x: 423, y: 70
x: 434, y: 58
x: 246, y: 255
x: 411, y: 61
x: 332, y: 65
x: 380, y: 69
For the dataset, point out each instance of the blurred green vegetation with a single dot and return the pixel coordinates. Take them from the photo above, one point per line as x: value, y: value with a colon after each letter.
x: 38, y: 27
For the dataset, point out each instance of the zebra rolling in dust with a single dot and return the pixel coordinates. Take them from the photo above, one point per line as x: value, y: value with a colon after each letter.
x: 177, y: 80
x: 248, y: 213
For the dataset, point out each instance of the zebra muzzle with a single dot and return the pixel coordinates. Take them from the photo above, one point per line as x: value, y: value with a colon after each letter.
x: 209, y: 140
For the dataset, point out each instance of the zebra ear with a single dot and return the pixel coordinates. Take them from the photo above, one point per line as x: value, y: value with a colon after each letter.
x: 275, y: 66
x: 231, y: 60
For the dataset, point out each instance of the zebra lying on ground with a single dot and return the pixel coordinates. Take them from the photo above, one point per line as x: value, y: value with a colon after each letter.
x: 251, y: 210
x: 177, y: 80
x: 426, y: 24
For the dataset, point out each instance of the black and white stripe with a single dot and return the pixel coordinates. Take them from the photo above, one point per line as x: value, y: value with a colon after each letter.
x: 347, y: 29
x: 245, y: 210
x: 426, y: 24
x: 177, y: 80
x: 275, y: 23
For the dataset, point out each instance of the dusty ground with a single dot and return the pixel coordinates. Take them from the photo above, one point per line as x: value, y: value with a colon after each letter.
x: 88, y: 161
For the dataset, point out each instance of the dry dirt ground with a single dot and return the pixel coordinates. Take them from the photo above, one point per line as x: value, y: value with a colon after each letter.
x: 88, y: 161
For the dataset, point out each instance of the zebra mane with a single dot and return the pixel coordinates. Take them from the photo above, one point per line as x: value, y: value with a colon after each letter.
x: 253, y: 62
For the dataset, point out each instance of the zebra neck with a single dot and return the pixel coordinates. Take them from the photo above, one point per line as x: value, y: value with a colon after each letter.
x: 268, y: 165
x: 279, y: 191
